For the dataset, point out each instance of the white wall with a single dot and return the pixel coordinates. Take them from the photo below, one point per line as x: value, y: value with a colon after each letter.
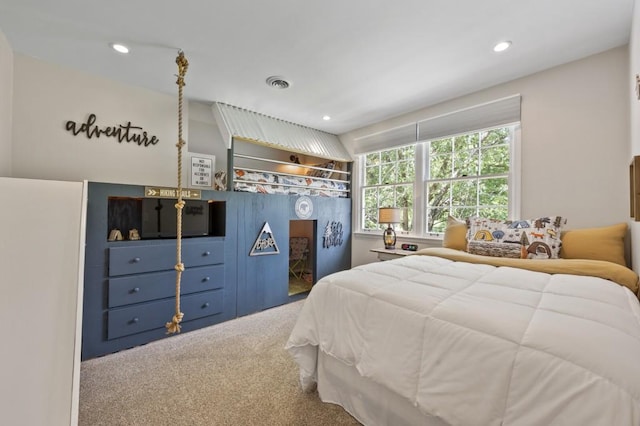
x: 42, y: 264
x: 204, y: 136
x: 6, y: 100
x: 575, y: 141
x: 46, y: 96
x: 634, y: 108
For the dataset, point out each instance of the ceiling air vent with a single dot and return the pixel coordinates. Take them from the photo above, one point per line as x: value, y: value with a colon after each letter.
x: 277, y: 82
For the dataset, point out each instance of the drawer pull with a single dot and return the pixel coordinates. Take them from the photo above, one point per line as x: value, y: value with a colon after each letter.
x: 206, y: 305
x: 134, y: 320
x: 205, y: 279
x: 135, y: 290
x: 135, y: 260
x: 206, y: 253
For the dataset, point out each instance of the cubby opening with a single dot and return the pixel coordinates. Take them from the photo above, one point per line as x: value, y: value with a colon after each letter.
x: 301, y: 270
x: 130, y: 218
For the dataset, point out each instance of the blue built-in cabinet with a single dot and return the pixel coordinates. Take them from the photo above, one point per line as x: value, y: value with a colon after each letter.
x: 129, y: 286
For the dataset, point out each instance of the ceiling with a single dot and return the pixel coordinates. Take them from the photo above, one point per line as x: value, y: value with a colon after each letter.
x: 358, y: 61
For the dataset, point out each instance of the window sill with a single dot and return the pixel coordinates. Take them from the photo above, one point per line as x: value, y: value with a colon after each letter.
x: 426, y: 239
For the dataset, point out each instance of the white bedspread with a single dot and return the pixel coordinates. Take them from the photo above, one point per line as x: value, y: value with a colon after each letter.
x: 481, y: 345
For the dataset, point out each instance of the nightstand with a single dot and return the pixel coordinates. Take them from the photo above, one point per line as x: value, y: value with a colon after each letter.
x: 384, y: 254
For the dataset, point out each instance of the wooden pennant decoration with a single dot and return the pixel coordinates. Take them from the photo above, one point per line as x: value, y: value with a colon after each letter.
x: 265, y: 243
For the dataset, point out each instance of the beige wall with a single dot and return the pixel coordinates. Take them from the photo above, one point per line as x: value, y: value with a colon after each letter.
x: 46, y: 96
x: 575, y: 141
x: 634, y: 108
x: 6, y: 100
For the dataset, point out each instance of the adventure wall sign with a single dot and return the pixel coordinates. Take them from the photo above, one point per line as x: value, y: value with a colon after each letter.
x: 122, y: 133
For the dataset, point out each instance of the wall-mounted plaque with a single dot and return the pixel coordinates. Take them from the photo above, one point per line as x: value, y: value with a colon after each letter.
x: 304, y: 207
x: 265, y: 243
x: 161, y: 192
x: 201, y: 171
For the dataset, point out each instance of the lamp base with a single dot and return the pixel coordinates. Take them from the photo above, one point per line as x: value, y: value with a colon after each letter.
x: 389, y: 238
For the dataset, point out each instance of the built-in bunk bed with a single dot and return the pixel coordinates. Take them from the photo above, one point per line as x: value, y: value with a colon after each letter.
x: 270, y: 156
x: 289, y: 180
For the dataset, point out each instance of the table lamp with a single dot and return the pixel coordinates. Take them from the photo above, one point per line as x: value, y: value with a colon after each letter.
x: 389, y: 215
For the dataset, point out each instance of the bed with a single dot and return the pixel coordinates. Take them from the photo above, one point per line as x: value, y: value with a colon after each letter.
x: 268, y: 172
x: 445, y: 337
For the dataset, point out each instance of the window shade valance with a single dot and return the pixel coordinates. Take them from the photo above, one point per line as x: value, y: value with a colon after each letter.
x: 491, y: 114
x: 395, y: 137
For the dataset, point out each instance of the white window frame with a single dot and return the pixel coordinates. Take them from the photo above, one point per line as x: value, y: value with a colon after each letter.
x: 421, y: 172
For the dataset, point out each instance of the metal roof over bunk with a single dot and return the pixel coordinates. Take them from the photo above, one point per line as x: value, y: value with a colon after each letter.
x: 240, y: 123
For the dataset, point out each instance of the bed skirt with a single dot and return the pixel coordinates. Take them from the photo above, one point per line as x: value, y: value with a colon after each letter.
x: 370, y: 403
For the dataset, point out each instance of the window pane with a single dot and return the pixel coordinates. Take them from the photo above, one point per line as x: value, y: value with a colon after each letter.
x: 440, y: 166
x: 389, y: 156
x: 406, y: 171
x: 463, y: 213
x: 372, y: 159
x: 495, y: 160
x: 437, y: 220
x: 500, y: 213
x: 370, y: 220
x: 442, y: 146
x: 495, y: 137
x: 388, y: 173
x: 466, y: 163
x: 494, y: 192
x: 404, y: 198
x: 438, y: 194
x: 373, y: 176
x: 466, y: 142
x: 464, y: 193
x: 385, y: 196
x: 407, y: 153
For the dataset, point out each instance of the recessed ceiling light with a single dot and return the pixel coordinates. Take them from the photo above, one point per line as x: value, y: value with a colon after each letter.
x: 120, y: 48
x: 326, y: 118
x: 277, y: 82
x: 502, y: 46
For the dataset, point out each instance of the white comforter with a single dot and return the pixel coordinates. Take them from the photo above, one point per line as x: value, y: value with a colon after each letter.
x: 481, y: 345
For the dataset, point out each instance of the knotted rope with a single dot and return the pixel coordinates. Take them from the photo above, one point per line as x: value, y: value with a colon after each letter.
x: 174, y: 325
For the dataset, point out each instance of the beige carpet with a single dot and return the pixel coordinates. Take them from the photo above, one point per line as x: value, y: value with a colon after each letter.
x: 234, y: 373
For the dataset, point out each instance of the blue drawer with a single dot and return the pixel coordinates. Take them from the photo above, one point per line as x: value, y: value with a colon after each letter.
x: 148, y: 316
x: 158, y: 285
x: 127, y: 260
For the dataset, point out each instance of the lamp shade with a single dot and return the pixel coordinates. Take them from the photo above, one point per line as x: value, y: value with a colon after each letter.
x: 389, y: 215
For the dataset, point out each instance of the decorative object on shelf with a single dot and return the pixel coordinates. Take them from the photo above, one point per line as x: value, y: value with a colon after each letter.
x: 304, y: 207
x: 115, y: 235
x: 390, y: 216
x: 294, y: 159
x: 332, y: 236
x: 134, y: 234
x: 264, y: 244
x: 409, y: 247
x: 174, y: 325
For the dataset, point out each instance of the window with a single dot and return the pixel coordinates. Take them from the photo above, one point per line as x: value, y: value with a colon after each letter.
x: 468, y: 175
x: 464, y: 175
x: 389, y: 178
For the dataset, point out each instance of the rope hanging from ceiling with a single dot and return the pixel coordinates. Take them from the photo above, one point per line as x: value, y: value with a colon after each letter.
x: 174, y: 325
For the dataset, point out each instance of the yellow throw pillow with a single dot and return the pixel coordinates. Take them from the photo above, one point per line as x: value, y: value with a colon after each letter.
x: 455, y: 234
x: 606, y: 243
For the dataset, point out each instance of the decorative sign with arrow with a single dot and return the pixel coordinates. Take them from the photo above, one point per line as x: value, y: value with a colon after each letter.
x: 161, y: 192
x: 265, y: 243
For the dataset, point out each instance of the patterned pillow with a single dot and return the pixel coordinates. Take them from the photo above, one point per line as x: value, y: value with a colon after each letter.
x: 524, y: 239
x: 322, y: 173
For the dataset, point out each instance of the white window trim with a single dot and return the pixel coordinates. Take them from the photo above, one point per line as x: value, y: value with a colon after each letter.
x: 421, y: 170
